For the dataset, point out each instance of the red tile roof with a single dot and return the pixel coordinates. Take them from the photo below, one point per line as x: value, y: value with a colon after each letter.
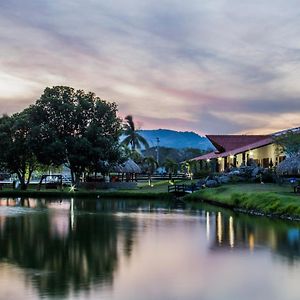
x: 226, y: 143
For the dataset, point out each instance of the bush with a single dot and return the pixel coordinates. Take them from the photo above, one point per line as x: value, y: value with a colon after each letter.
x: 201, y: 174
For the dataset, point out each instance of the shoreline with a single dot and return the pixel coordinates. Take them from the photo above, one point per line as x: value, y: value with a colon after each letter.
x: 264, y: 204
x: 86, y: 194
x: 252, y: 199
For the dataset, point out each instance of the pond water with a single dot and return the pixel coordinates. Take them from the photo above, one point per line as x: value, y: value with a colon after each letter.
x: 111, y: 249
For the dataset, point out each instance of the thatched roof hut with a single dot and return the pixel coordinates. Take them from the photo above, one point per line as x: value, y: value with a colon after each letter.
x: 128, y: 167
x: 290, y: 166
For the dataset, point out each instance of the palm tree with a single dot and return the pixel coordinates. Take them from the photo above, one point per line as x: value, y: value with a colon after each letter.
x: 151, y: 166
x: 171, y: 167
x: 133, y: 138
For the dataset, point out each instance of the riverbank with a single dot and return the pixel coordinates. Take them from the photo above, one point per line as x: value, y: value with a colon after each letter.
x: 260, y: 199
x: 159, y: 190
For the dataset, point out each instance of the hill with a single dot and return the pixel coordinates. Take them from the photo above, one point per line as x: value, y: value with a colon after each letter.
x: 176, y: 139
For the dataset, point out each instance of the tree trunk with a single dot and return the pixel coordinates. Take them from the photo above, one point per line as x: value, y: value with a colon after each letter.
x: 149, y: 180
x: 22, y: 182
x: 77, y: 179
x: 72, y: 177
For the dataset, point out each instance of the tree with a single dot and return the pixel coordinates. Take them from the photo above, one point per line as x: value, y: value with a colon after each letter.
x: 127, y: 153
x: 132, y: 137
x: 288, y: 143
x: 189, y: 167
x: 171, y: 167
x: 151, y: 165
x: 16, y: 155
x: 77, y: 129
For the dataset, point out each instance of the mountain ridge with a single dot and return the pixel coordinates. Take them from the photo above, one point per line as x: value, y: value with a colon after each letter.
x: 175, y: 139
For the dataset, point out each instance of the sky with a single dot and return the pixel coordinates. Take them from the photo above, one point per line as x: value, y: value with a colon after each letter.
x: 209, y: 66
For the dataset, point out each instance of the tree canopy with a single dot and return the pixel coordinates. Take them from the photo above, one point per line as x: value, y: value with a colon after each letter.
x: 16, y: 141
x: 77, y: 129
x: 289, y: 143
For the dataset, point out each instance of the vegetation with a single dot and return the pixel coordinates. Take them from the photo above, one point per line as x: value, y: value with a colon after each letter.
x: 177, y: 155
x: 77, y: 129
x: 268, y: 199
x: 132, y: 137
x: 171, y: 167
x: 157, y: 190
x: 151, y: 165
x: 16, y: 143
x: 64, y: 126
x: 289, y: 143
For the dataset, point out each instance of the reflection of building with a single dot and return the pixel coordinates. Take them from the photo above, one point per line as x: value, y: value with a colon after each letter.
x: 250, y: 233
x: 231, y: 232
x: 237, y: 150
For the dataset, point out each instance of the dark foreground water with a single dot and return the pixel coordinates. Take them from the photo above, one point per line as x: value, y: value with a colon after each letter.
x: 81, y: 249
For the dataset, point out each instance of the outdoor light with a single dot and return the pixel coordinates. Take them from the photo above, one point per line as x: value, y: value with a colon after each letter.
x: 219, y: 158
x: 251, y: 153
x: 232, y: 156
x: 208, y: 160
x: 72, y: 188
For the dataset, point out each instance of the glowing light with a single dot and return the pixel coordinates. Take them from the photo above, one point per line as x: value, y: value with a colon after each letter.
x: 72, y: 213
x: 251, y: 242
x: 231, y: 232
x: 219, y: 158
x: 208, y: 160
x: 207, y: 226
x: 219, y: 228
x: 72, y: 188
x: 232, y: 156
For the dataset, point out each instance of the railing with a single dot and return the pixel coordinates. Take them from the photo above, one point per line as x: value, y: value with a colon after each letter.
x: 176, y: 188
x: 182, y: 188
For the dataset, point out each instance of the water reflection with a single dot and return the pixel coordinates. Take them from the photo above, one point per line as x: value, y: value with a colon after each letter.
x: 71, y: 250
x: 245, y: 232
x: 70, y: 246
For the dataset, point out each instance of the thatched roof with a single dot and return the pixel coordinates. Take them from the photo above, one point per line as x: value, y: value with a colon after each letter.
x: 290, y: 166
x: 128, y: 167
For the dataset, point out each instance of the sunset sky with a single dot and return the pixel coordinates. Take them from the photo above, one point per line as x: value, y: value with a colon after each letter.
x: 210, y: 66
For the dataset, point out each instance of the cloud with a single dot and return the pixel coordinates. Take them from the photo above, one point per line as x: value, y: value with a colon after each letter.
x: 209, y: 66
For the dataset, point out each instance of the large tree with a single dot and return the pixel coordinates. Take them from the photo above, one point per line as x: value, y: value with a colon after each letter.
x: 132, y: 137
x: 16, y: 155
x: 77, y: 129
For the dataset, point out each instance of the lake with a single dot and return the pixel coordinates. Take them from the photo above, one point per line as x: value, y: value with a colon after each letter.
x: 112, y: 249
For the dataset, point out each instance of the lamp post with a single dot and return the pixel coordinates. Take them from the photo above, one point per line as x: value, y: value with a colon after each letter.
x: 157, y: 149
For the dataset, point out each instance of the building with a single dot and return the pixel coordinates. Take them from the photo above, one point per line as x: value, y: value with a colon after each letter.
x: 238, y: 150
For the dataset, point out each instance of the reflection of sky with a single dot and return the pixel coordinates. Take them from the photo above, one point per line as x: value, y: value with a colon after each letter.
x: 210, y: 66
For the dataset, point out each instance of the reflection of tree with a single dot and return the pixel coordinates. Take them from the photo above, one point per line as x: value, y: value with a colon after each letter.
x: 86, y: 254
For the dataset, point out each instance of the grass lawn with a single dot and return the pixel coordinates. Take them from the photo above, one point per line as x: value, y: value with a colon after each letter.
x: 264, y: 198
x: 158, y: 190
